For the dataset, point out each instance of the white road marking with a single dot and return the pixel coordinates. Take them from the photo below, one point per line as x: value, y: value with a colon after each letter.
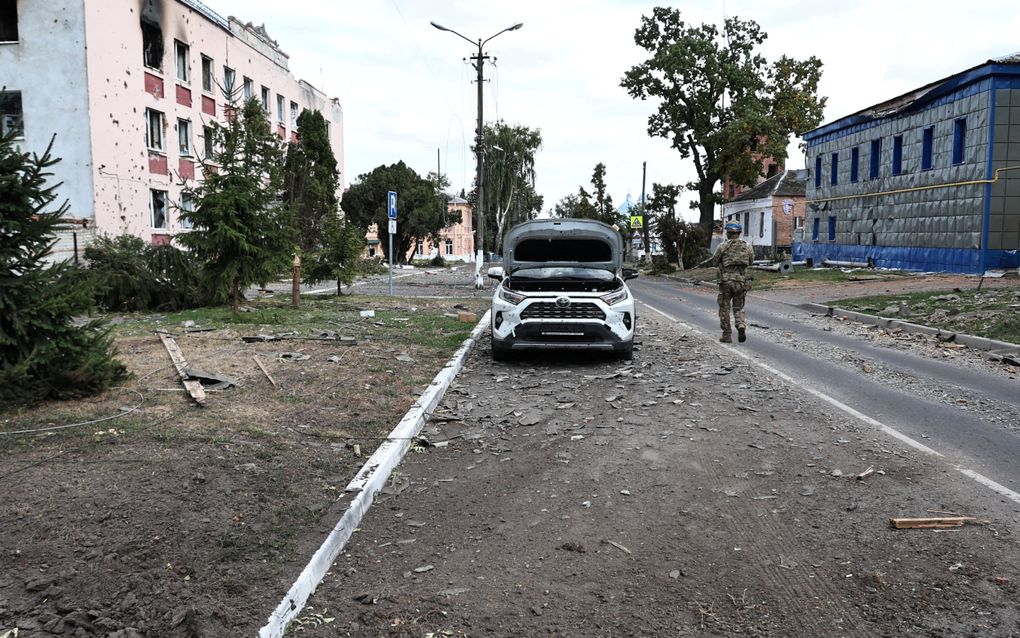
x: 981, y: 479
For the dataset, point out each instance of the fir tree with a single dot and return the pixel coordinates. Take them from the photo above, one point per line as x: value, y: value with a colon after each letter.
x: 311, y: 181
x: 241, y: 234
x: 43, y: 354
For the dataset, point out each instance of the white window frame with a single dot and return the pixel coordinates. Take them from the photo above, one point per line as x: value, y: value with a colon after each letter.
x: 293, y: 116
x: 187, y: 206
x: 449, y: 246
x: 249, y: 88
x: 14, y: 121
x: 184, y: 137
x: 280, y: 106
x: 266, y: 106
x: 208, y: 142
x: 155, y: 128
x: 229, y: 77
x: 208, y: 74
x: 183, y: 70
x: 153, y: 193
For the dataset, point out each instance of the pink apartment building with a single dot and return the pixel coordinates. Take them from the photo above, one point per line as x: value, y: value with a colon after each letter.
x: 456, y: 240
x: 130, y: 88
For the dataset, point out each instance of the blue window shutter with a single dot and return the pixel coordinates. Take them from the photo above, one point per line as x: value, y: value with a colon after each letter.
x: 897, y: 155
x: 927, y: 147
x: 959, y: 139
x: 855, y: 161
x: 876, y: 156
x: 834, y: 174
x: 818, y: 171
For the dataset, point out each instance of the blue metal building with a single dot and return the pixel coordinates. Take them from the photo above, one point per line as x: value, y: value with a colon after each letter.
x: 926, y: 181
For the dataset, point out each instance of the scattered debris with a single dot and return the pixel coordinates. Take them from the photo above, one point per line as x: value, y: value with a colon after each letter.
x: 293, y: 356
x: 940, y: 522
x: 467, y: 317
x: 366, y: 314
x: 618, y: 546
x: 863, y: 475
x: 211, y: 381
x: 423, y: 569
x: 193, y: 387
x: 258, y: 362
x: 573, y: 547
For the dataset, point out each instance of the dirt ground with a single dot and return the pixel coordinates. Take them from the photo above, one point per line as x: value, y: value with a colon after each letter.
x: 687, y: 494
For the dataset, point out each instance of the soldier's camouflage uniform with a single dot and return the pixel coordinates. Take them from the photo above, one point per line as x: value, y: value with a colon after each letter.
x: 732, y: 258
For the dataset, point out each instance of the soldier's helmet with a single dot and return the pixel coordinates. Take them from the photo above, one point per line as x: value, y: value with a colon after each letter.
x: 733, y: 227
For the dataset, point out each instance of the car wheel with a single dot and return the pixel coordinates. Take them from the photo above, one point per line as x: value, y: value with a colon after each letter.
x: 627, y: 352
x: 499, y: 352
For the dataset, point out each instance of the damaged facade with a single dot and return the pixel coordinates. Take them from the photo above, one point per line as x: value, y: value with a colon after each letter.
x: 770, y: 212
x: 138, y: 84
x: 926, y: 181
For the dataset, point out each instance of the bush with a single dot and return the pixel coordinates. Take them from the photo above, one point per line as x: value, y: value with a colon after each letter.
x: 661, y: 266
x: 371, y: 266
x: 129, y: 275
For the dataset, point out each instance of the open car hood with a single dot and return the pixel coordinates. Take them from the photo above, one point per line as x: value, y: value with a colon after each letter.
x: 577, y: 243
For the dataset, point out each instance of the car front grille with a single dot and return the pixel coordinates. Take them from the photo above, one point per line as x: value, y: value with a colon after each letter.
x: 549, y: 310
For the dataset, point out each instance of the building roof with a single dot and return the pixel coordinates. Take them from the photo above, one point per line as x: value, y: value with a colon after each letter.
x: 792, y: 183
x: 457, y: 200
x: 914, y: 100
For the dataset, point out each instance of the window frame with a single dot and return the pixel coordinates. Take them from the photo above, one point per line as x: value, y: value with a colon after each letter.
x: 14, y: 121
x: 959, y: 141
x: 281, y: 106
x: 747, y: 223
x: 151, y: 28
x: 186, y: 149
x: 187, y: 206
x: 208, y: 74
x: 897, y: 154
x: 14, y: 22
x: 815, y: 228
x: 831, y: 234
x: 818, y: 172
x: 229, y: 77
x: 875, y: 159
x: 834, y: 170
x: 153, y: 192
x: 855, y: 164
x: 247, y: 87
x: 183, y: 73
x: 159, y: 132
x: 928, y: 148
x: 448, y: 246
x: 208, y: 142
x: 293, y: 115
x: 264, y: 96
x: 761, y: 225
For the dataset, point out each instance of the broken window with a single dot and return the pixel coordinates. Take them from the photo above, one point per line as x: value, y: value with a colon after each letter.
x: 207, y: 74
x: 8, y: 20
x: 154, y: 130
x: 228, y: 81
x: 959, y: 139
x: 293, y: 116
x: 152, y: 46
x: 11, y: 116
x: 181, y: 51
x: 187, y: 206
x: 747, y: 224
x: 158, y: 208
x: 761, y: 225
x: 184, y: 137
x: 249, y: 89
x: 265, y: 100
x: 207, y: 135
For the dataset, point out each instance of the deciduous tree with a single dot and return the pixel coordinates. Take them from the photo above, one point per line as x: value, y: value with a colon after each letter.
x: 720, y: 102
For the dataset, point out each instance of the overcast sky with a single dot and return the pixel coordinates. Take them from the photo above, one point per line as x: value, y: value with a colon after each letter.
x: 406, y: 92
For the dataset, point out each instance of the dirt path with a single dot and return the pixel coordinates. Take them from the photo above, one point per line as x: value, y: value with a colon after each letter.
x: 688, y: 495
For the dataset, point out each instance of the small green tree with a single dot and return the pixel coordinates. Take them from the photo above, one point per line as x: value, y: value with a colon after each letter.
x: 43, y: 354
x: 310, y: 182
x: 241, y: 234
x: 339, y: 256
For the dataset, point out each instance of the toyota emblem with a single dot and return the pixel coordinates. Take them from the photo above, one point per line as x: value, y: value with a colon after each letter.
x: 562, y: 302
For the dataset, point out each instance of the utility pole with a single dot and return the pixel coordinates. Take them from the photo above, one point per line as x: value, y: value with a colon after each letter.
x: 644, y: 218
x: 479, y: 62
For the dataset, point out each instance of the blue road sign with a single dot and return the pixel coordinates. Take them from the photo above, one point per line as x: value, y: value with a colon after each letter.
x: 391, y: 205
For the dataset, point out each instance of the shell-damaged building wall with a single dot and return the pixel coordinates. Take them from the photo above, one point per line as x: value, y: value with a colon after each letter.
x: 927, y: 181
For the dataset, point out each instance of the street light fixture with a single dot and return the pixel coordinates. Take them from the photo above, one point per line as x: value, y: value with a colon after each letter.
x: 479, y: 61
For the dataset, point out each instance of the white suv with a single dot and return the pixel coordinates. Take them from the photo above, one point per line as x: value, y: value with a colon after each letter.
x: 562, y: 286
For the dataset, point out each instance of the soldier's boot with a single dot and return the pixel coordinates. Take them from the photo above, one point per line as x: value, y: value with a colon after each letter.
x: 726, y: 338
x: 741, y: 334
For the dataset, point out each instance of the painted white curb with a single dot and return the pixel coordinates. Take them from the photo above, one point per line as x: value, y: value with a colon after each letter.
x: 369, y: 480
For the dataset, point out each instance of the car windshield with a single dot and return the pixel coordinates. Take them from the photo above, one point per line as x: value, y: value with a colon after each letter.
x: 563, y: 272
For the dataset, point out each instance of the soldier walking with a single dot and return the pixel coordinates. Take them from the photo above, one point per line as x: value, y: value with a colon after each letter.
x: 732, y: 258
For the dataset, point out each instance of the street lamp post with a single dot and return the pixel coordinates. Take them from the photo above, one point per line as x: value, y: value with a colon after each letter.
x: 479, y: 61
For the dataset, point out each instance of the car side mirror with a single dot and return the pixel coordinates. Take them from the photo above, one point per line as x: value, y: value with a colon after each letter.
x: 629, y: 273
x: 496, y: 272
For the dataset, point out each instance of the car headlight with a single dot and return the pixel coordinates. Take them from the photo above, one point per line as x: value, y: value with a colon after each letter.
x: 510, y: 296
x: 614, y: 298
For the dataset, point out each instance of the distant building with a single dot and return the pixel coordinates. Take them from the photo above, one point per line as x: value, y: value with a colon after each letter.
x: 130, y: 88
x: 770, y: 212
x: 770, y: 168
x: 456, y: 240
x: 929, y: 180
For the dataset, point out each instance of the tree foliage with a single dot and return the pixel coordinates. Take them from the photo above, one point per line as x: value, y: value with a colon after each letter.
x: 339, y: 256
x: 510, y: 195
x: 421, y: 206
x: 128, y: 274
x: 595, y: 205
x: 720, y: 103
x: 43, y: 354
x: 241, y: 234
x: 681, y: 241
x: 310, y: 181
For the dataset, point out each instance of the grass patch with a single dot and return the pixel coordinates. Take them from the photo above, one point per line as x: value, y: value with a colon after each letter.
x: 993, y: 313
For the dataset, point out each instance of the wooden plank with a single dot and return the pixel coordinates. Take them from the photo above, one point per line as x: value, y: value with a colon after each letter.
x: 263, y: 368
x: 194, y: 388
x: 931, y: 523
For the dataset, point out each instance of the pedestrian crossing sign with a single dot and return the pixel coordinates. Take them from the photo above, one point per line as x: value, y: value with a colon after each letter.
x: 636, y: 221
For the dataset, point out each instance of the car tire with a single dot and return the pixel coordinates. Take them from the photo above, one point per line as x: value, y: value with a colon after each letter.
x: 499, y: 352
x: 626, y: 353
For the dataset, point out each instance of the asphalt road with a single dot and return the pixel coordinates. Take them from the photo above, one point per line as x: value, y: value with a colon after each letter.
x: 964, y: 437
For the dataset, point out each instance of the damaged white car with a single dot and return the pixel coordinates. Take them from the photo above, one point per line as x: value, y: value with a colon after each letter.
x: 562, y: 286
